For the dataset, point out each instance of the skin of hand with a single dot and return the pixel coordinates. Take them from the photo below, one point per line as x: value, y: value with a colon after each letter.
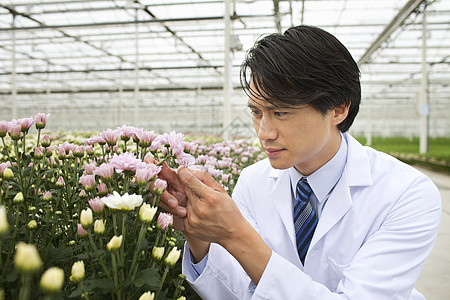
x: 173, y: 200
x: 212, y: 216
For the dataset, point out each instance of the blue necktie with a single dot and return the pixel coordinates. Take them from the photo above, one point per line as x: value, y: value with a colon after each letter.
x: 305, y: 219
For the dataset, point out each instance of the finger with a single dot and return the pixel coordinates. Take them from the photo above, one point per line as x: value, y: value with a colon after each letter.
x: 170, y: 204
x: 192, y: 182
x: 207, y: 179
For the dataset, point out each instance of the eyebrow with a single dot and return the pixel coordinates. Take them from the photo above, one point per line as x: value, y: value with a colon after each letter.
x: 250, y: 105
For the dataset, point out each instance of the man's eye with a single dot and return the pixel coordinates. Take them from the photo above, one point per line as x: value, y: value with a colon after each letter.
x: 255, y: 112
x: 279, y: 113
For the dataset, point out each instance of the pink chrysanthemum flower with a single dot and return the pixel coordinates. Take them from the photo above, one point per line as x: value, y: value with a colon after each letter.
x: 45, y: 140
x: 110, y: 136
x: 96, y: 205
x: 185, y: 159
x: 160, y: 186
x: 146, y: 174
x: 164, y: 220
x: 88, y: 182
x: 145, y: 138
x: 105, y: 171
x: 126, y: 162
x: 15, y: 131
x: 41, y: 120
x: 90, y: 167
x: 81, y: 231
x: 126, y: 132
x: 176, y: 146
x: 102, y: 189
x: 26, y: 123
x: 99, y: 140
x: 4, y: 128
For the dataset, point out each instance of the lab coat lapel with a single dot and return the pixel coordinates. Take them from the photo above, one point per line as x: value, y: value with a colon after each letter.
x: 281, y: 195
x: 339, y: 202
x: 356, y: 173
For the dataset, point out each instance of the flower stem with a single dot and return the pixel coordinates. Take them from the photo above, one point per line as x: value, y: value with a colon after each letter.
x: 162, y: 282
x: 136, y: 251
x: 116, y: 282
x: 98, y: 255
x: 86, y: 295
x: 25, y: 287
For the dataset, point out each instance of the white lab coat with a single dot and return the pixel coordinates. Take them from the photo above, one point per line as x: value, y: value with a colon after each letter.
x: 373, y: 236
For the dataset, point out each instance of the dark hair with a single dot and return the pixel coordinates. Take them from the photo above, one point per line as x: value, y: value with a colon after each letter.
x: 304, y: 66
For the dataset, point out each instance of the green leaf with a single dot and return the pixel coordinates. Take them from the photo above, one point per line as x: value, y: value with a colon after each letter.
x: 148, y: 277
x: 97, y: 286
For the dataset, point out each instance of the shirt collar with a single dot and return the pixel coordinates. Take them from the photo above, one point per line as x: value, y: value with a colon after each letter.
x: 323, y: 180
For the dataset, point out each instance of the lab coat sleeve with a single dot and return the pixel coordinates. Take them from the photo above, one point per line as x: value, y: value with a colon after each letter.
x: 223, y: 278
x: 387, y: 264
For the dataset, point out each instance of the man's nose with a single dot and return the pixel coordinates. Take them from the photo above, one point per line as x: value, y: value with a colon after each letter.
x: 266, y: 129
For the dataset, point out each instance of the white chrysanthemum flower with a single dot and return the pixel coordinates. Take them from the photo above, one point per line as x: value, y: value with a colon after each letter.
x: 125, y: 202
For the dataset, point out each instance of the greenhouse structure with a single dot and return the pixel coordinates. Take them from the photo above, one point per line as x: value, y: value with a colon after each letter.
x: 136, y: 163
x: 174, y: 65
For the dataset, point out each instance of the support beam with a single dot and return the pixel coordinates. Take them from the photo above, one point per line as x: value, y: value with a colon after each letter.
x: 276, y: 10
x: 424, y: 105
x: 403, y: 14
x: 228, y: 83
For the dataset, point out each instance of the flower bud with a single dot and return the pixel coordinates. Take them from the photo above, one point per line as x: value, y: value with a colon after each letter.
x: 81, y: 232
x: 102, y: 189
x: 4, y: 226
x: 86, y: 218
x: 47, y: 196
x: 164, y: 220
x: 159, y: 186
x: 15, y: 132
x: 52, y: 280
x: 114, y: 243
x: 96, y: 205
x: 99, y: 226
x: 18, y: 198
x: 32, y: 225
x: 8, y: 174
x: 182, y: 297
x: 77, y: 272
x: 157, y: 253
x: 39, y: 152
x: 27, y: 259
x: 147, y: 296
x: 172, y: 257
x: 45, y: 141
x: 147, y: 212
x: 60, y: 182
x: 171, y: 243
x: 82, y: 194
x: 72, y: 242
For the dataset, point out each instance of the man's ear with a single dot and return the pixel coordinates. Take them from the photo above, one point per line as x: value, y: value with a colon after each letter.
x: 339, y: 114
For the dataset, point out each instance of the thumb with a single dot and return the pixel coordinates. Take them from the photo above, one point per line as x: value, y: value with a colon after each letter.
x: 191, y: 181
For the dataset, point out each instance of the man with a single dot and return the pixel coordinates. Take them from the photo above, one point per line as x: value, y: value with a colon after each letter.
x: 322, y: 217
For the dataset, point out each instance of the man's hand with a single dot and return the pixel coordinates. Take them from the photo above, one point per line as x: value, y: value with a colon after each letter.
x: 211, y: 213
x: 173, y: 200
x: 212, y: 216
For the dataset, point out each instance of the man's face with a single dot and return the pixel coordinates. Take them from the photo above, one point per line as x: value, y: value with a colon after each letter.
x: 300, y: 137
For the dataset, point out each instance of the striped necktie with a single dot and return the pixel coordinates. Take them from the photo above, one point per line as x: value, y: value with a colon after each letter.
x: 305, y: 219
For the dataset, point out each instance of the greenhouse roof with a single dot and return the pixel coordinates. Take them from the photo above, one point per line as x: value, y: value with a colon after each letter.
x: 96, y: 45
x: 87, y: 47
